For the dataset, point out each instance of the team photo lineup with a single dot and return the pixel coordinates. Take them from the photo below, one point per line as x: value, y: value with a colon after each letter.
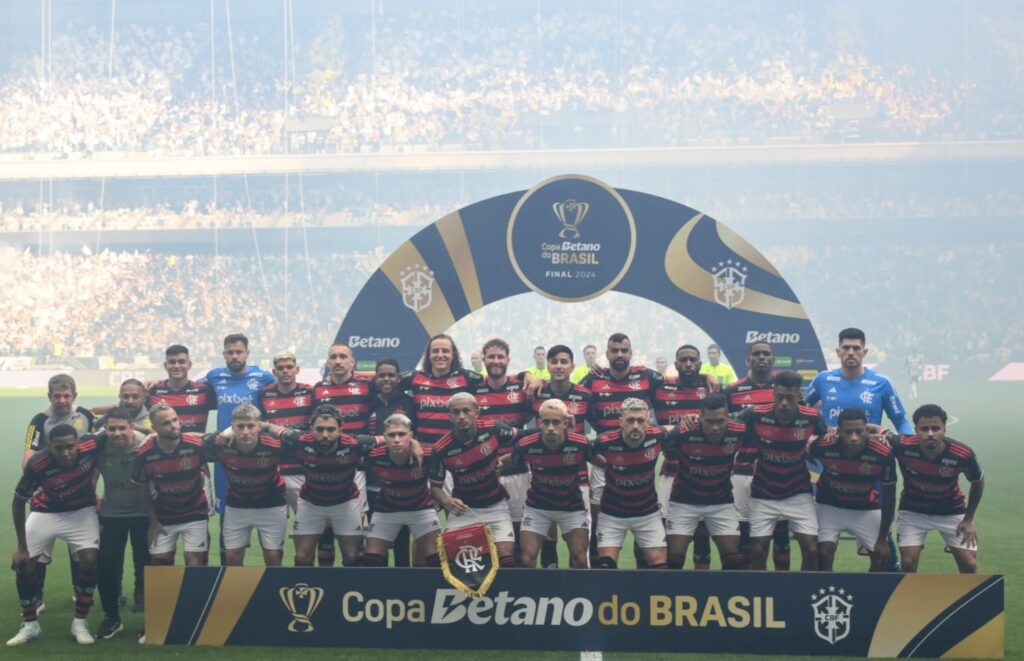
x: 371, y: 467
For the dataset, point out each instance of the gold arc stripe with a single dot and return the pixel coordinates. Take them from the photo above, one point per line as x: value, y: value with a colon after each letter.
x: 690, y: 277
x: 916, y: 601
x: 988, y: 642
x: 436, y: 317
x: 739, y: 245
x: 233, y: 595
x: 163, y: 587
x: 453, y: 233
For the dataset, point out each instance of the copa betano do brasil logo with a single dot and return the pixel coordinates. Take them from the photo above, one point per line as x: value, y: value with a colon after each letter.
x: 571, y: 238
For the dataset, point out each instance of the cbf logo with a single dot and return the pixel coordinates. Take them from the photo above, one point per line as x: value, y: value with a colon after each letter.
x: 729, y: 278
x: 570, y: 214
x: 832, y: 614
x: 301, y: 601
x: 417, y: 287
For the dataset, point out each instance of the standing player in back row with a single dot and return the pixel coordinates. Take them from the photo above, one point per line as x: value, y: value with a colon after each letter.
x: 931, y: 464
x: 288, y: 403
x: 777, y: 437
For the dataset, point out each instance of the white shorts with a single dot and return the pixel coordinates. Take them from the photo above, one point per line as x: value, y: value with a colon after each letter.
x: 79, y: 528
x: 539, y: 521
x: 913, y: 527
x: 596, y: 484
x: 345, y: 518
x: 516, y: 487
x: 270, y: 524
x: 663, y: 487
x: 211, y: 494
x: 798, y: 510
x: 387, y: 525
x: 648, y: 530
x: 741, y: 495
x: 292, y: 486
x: 195, y: 535
x: 862, y: 524
x: 683, y: 519
x: 497, y: 516
x: 360, y: 482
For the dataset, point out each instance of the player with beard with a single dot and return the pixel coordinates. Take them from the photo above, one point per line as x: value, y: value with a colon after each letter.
x: 577, y: 400
x: 501, y: 399
x: 777, y: 437
x: 403, y: 501
x: 852, y: 464
x: 288, y: 403
x: 629, y: 502
x: 675, y: 400
x: 58, y: 483
x: 470, y: 453
x: 931, y: 464
x: 702, y: 491
x: 131, y: 397
x: 555, y: 456
x: 753, y: 389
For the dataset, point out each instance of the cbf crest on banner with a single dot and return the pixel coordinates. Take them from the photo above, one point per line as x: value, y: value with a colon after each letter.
x: 574, y: 238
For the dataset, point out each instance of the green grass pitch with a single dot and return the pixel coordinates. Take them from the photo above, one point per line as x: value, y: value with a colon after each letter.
x: 986, y: 420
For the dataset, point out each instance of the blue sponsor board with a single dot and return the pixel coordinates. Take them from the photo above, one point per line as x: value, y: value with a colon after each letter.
x: 574, y: 238
x: 877, y: 615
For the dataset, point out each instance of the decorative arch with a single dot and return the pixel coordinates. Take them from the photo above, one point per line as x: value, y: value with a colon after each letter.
x: 574, y: 238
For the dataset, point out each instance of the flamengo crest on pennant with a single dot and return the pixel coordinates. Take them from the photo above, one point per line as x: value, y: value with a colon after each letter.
x: 570, y: 213
x: 832, y: 614
x: 729, y: 278
x: 468, y: 559
x: 417, y: 287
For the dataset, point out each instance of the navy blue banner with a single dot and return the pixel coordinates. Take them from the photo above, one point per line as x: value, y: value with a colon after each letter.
x: 573, y: 238
x: 877, y: 615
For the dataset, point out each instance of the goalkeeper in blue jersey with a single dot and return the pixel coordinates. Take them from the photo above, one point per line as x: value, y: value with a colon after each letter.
x: 854, y: 386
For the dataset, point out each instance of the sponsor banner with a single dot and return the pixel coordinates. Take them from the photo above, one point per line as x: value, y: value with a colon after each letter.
x: 574, y: 238
x: 876, y: 615
x: 1009, y: 372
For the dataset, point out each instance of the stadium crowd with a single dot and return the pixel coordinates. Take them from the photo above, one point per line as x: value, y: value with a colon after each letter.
x: 431, y: 79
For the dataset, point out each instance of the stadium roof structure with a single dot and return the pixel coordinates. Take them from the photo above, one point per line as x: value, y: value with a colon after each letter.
x: 20, y: 167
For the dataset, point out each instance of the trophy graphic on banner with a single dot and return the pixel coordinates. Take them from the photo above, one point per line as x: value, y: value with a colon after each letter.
x: 301, y: 602
x: 570, y: 213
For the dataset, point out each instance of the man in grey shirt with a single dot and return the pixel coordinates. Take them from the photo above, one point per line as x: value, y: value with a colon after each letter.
x: 122, y: 515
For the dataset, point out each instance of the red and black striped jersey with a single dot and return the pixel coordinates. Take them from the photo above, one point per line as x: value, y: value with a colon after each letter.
x: 50, y: 488
x: 931, y: 486
x: 473, y: 464
x: 403, y: 488
x: 192, y: 403
x: 330, y: 476
x: 353, y: 401
x: 431, y: 394
x: 780, y: 450
x: 629, y: 475
x: 608, y: 394
x: 577, y: 399
x: 508, y: 405
x: 705, y: 466
x: 175, y: 479
x: 291, y: 409
x: 671, y: 402
x: 254, y: 478
x: 554, y: 482
x: 849, y: 482
x: 741, y: 395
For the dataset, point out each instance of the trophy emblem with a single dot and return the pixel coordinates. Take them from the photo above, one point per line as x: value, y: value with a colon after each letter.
x: 301, y: 601
x: 570, y: 214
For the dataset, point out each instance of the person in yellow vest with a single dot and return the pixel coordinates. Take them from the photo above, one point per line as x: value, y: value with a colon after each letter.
x: 723, y: 371
x: 540, y: 364
x: 590, y: 361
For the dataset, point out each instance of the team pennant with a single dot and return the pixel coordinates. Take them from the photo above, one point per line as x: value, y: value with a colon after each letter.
x: 469, y: 560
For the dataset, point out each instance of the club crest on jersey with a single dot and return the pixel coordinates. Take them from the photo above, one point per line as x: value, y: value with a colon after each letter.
x: 570, y: 214
x: 568, y: 458
x: 252, y: 384
x: 946, y: 471
x: 452, y: 383
x: 417, y: 287
x: 299, y: 401
x: 513, y: 398
x: 650, y: 454
x: 833, y: 614
x: 867, y: 397
x: 866, y: 468
x: 354, y: 389
x: 486, y: 449
x: 729, y: 280
x: 192, y: 400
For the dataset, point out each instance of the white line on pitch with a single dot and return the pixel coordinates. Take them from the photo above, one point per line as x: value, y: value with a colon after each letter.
x: 591, y: 656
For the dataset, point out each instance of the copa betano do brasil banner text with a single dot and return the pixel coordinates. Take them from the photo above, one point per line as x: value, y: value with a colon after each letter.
x: 876, y: 615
